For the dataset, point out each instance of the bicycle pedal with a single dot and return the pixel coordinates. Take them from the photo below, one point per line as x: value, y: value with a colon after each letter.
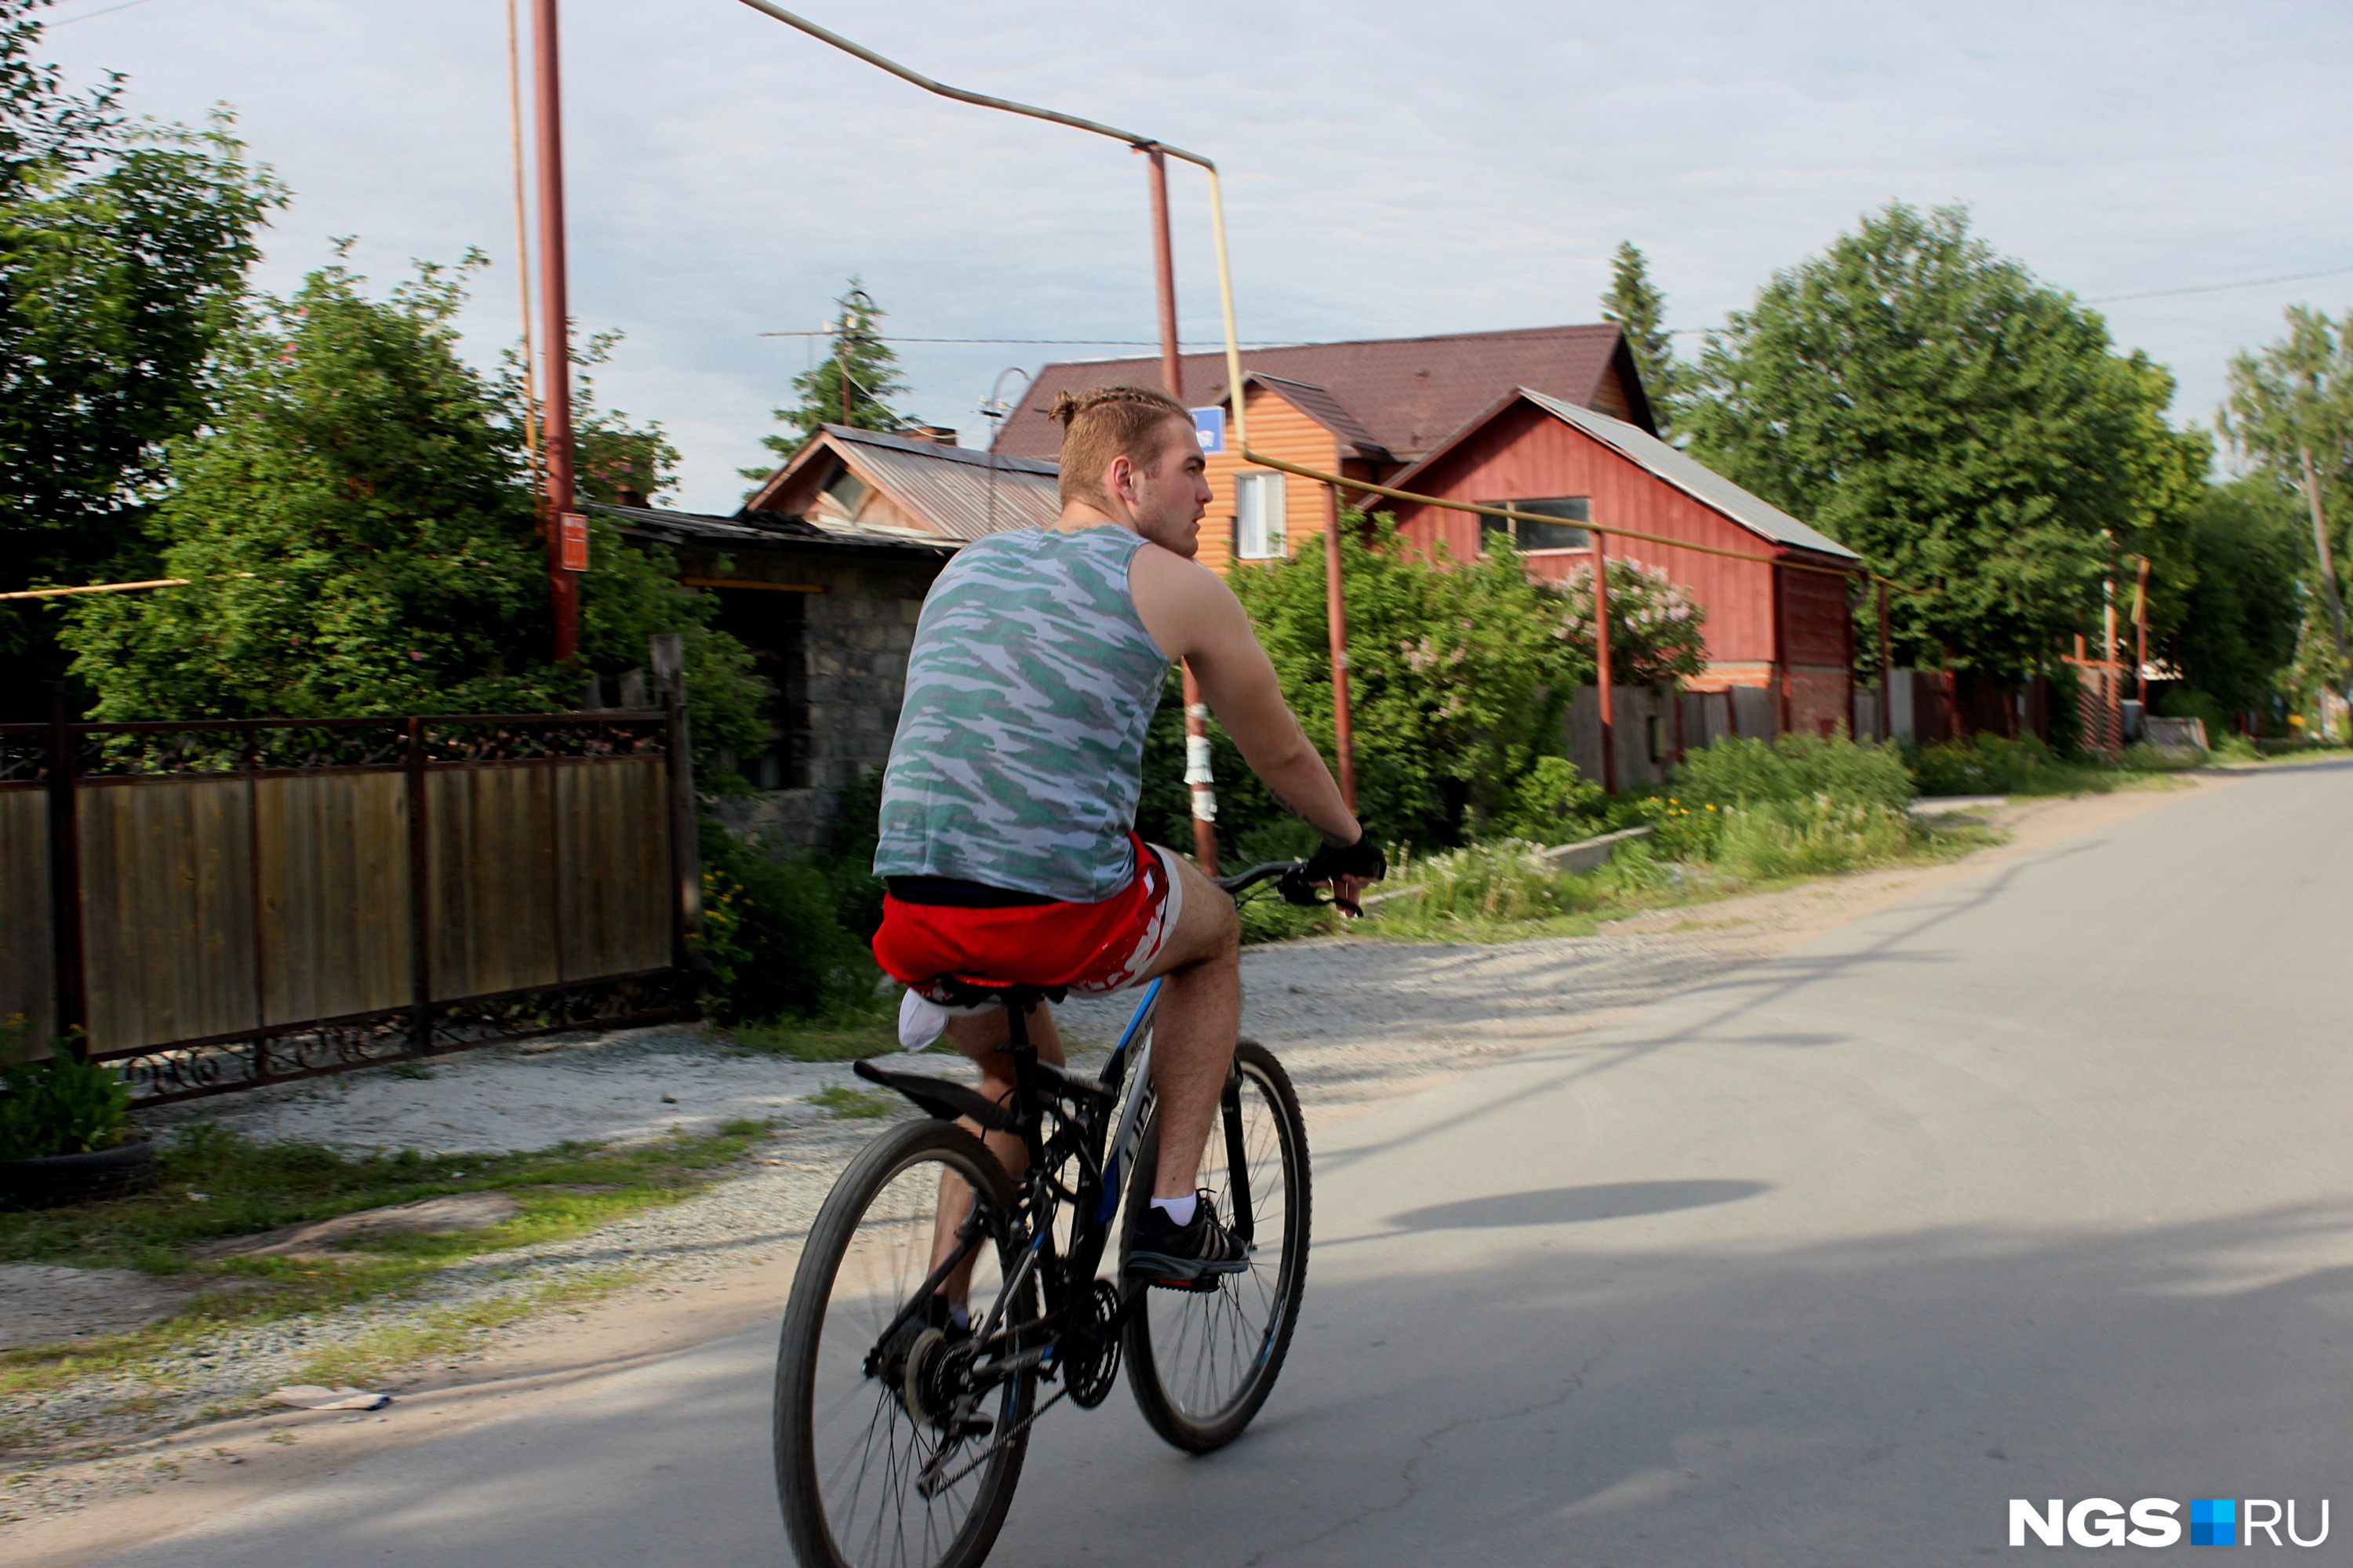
x: 975, y: 1426
x: 1204, y: 1286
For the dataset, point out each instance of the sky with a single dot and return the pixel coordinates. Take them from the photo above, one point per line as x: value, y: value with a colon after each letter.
x: 1390, y: 169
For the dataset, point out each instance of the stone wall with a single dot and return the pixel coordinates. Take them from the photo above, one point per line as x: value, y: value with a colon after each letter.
x: 855, y: 634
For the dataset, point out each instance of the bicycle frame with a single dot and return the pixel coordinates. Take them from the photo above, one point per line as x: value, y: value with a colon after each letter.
x: 1098, y: 1124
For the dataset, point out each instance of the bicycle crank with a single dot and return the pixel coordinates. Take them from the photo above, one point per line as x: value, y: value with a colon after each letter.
x: 1091, y: 1362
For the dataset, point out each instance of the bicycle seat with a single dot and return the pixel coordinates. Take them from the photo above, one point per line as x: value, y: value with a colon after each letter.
x: 970, y: 991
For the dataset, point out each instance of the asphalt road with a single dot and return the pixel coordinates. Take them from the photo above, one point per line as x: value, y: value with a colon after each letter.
x: 2036, y: 1186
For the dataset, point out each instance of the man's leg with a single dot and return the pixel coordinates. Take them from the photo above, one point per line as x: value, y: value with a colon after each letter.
x: 982, y: 1036
x: 1193, y: 1035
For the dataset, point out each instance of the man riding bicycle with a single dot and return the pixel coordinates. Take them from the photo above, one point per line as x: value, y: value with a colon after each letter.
x: 1007, y: 839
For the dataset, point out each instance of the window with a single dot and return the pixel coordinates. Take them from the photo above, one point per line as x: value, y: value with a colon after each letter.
x: 1259, y: 517
x: 1534, y: 532
x: 774, y: 626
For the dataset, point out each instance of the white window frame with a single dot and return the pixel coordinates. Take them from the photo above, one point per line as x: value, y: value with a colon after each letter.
x: 1262, y: 522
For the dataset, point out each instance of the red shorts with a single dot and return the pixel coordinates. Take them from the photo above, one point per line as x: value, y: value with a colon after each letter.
x: 1095, y: 947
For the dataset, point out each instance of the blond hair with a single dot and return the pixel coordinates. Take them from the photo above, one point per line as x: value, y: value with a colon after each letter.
x: 1105, y: 422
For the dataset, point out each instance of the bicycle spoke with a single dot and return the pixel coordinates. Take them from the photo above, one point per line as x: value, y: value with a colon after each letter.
x: 1206, y: 1347
x: 866, y: 1453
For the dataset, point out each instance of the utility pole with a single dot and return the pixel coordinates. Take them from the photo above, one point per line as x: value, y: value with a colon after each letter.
x: 2140, y: 639
x: 2327, y: 571
x: 567, y: 531
x: 1601, y: 672
x: 1886, y: 669
x: 1198, y: 778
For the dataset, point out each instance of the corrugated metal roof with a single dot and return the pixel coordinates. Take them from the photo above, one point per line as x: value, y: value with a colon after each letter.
x: 699, y: 527
x: 956, y: 490
x: 1692, y: 478
x: 1406, y: 393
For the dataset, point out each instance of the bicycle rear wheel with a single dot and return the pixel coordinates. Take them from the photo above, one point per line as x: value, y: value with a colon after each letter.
x: 1201, y: 1363
x: 859, y: 1427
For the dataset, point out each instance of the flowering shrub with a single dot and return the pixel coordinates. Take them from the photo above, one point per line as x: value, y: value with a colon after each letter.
x: 1655, y: 624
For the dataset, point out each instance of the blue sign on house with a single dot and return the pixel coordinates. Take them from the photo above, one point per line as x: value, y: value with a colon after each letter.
x: 1210, y: 424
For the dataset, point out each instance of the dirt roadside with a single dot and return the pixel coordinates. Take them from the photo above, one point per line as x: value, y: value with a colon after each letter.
x: 151, y: 1490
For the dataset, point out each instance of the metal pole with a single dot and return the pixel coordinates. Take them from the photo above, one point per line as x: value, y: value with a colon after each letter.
x: 1199, y: 776
x: 1601, y: 671
x: 2140, y: 639
x: 71, y: 1004
x: 1335, y: 616
x: 555, y: 307
x: 523, y: 262
x: 420, y: 894
x: 1886, y: 672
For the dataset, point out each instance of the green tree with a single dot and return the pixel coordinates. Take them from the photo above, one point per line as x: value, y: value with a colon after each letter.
x: 2232, y: 627
x: 123, y: 252
x: 1460, y: 675
x: 1638, y: 307
x: 871, y: 375
x: 359, y: 539
x: 614, y: 455
x: 2291, y: 397
x: 1966, y: 430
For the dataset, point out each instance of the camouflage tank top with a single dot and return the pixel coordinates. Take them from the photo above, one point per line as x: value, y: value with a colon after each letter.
x: 1019, y: 753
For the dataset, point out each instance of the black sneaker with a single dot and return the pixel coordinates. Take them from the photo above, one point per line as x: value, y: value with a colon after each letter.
x: 1189, y: 1257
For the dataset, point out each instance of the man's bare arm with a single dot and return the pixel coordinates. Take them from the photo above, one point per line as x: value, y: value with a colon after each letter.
x: 1193, y: 615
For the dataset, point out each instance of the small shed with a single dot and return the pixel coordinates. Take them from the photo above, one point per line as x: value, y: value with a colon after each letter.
x: 829, y: 615
x: 921, y: 484
x: 1778, y: 627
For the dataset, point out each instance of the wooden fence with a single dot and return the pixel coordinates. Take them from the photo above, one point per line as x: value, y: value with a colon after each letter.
x: 218, y: 906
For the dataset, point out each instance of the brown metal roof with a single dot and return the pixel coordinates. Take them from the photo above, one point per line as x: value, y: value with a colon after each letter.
x: 1407, y: 394
x: 1318, y: 404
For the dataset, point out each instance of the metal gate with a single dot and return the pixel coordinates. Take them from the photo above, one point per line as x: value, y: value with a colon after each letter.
x: 213, y: 907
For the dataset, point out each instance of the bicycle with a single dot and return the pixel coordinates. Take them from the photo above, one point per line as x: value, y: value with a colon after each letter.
x: 898, y: 1440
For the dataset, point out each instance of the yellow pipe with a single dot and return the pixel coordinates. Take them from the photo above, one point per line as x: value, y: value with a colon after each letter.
x: 107, y: 587
x: 1226, y: 300
x: 1226, y: 292
x: 1370, y: 488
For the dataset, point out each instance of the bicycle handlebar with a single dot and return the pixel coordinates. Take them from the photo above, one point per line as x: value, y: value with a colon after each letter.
x: 1291, y: 884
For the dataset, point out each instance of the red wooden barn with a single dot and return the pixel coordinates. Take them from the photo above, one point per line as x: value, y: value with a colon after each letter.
x: 1778, y: 626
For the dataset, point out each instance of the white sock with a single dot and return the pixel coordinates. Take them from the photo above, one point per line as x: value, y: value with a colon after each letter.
x: 1178, y: 1210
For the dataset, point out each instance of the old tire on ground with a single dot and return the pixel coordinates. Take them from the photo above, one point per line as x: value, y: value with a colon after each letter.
x: 60, y: 1179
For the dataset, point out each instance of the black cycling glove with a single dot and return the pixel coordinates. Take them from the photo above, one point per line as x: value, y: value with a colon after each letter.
x: 1363, y: 858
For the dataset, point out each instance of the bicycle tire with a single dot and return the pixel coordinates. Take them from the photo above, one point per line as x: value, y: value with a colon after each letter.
x: 1184, y: 1401
x: 880, y: 1179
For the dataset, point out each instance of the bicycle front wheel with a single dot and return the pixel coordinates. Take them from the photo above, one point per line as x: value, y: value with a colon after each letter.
x: 1201, y: 1363
x: 877, y: 1465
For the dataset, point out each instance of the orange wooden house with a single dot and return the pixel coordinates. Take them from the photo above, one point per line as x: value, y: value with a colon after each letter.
x: 1365, y: 409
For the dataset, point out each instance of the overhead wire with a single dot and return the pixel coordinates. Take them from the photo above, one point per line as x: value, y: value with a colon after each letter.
x: 1234, y: 379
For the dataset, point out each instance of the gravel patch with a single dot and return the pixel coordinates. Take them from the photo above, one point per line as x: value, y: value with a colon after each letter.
x: 1355, y: 1022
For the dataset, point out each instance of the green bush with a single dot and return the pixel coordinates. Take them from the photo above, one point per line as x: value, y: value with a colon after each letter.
x: 1796, y: 767
x: 1490, y: 882
x: 1460, y: 675
x: 62, y: 1106
x: 1556, y: 804
x: 1989, y: 765
x: 773, y: 939
x: 1810, y: 837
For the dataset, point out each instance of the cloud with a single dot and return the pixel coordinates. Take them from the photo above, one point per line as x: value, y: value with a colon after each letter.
x: 1390, y: 168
